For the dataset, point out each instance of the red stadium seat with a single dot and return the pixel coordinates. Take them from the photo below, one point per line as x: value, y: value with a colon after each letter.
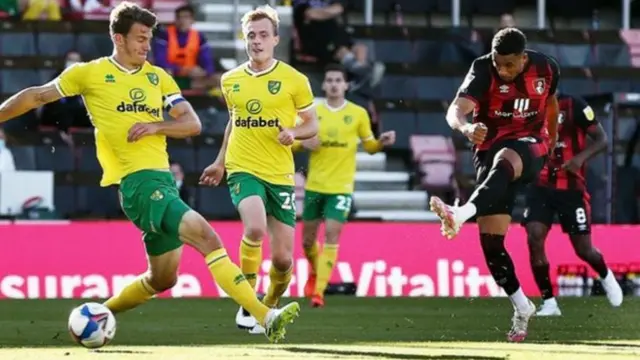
x: 632, y: 38
x: 436, y: 159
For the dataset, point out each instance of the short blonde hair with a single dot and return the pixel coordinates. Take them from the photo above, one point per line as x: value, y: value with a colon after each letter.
x: 259, y: 13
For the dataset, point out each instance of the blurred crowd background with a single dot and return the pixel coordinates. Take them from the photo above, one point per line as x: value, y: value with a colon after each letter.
x: 405, y: 59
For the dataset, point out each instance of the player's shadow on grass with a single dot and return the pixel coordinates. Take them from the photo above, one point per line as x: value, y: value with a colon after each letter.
x: 388, y: 355
x: 138, y: 352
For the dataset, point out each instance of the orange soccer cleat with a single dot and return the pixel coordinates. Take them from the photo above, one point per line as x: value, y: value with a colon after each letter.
x: 317, y: 301
x: 310, y: 286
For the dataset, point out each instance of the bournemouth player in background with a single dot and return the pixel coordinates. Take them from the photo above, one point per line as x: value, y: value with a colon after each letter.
x: 561, y: 189
x: 511, y: 93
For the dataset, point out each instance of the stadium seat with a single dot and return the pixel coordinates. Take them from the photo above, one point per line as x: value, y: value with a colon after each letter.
x: 55, y: 158
x: 574, y: 55
x: 185, y: 156
x: 545, y: 48
x: 404, y: 124
x: 87, y: 160
x: 55, y: 44
x: 393, y: 51
x: 437, y: 175
x: 205, y: 155
x: 577, y: 86
x: 93, y: 46
x: 165, y: 10
x: 436, y: 88
x: 24, y: 157
x: 64, y: 200
x: 398, y: 87
x: 611, y: 55
x: 46, y: 75
x: 606, y: 85
x: 433, y: 124
x: 17, y: 44
x: 13, y: 81
x: 425, y: 50
x: 432, y: 148
x: 215, y: 203
x: 98, y: 201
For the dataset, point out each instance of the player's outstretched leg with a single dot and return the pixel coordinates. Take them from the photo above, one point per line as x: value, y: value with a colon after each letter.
x: 196, y: 231
x: 327, y: 260
x: 536, y: 236
x: 588, y: 253
x: 500, y: 264
x: 507, y: 167
x: 282, y: 238
x: 310, y: 248
x: 162, y: 275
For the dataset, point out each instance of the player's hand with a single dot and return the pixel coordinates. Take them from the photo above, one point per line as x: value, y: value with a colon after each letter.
x: 388, y: 138
x: 476, y: 133
x: 212, y: 174
x: 139, y: 130
x: 573, y: 165
x: 286, y: 136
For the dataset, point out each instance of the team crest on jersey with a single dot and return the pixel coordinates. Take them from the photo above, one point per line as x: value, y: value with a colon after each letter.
x: 539, y: 85
x: 348, y: 119
x: 561, y: 117
x: 153, y: 78
x: 274, y: 86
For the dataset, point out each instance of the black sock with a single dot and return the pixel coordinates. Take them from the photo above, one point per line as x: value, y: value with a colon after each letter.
x: 541, y: 274
x: 493, y: 187
x: 499, y: 262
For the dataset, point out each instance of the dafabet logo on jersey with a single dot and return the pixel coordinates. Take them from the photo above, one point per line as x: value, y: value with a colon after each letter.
x: 254, y: 107
x: 137, y: 104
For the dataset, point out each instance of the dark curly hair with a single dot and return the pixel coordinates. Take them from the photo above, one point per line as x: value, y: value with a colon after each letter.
x: 509, y: 41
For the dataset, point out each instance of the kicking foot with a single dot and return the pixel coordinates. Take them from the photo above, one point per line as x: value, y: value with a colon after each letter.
x: 520, y: 323
x: 317, y: 301
x: 310, y: 286
x: 278, y: 319
x: 447, y: 214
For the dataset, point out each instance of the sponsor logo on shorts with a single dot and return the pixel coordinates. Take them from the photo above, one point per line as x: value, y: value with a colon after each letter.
x: 138, y: 104
x: 157, y: 195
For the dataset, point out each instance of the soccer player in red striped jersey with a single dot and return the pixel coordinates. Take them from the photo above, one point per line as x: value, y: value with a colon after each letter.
x: 561, y: 189
x: 511, y: 93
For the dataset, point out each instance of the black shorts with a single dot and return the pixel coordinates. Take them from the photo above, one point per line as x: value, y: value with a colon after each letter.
x: 571, y: 206
x: 531, y: 166
x: 323, y: 40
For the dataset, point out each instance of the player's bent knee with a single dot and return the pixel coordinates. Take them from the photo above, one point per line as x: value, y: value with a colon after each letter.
x: 196, y: 231
x: 282, y: 261
x: 162, y: 283
x: 513, y: 158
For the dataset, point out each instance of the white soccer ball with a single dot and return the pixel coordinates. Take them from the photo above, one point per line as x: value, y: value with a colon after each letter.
x: 92, y: 325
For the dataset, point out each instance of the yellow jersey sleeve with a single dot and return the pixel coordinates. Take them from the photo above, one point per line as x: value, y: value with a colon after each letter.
x: 171, y: 93
x: 303, y: 96
x: 72, y: 81
x: 364, y: 126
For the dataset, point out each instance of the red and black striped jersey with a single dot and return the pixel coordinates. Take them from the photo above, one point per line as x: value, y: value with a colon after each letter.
x: 516, y: 109
x: 575, y: 120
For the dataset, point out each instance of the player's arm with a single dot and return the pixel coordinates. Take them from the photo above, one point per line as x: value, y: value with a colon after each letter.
x: 473, y: 88
x: 305, y: 105
x: 585, y: 119
x: 553, y: 109
x: 369, y: 143
x: 29, y: 99
x: 186, y: 122
x: 225, y: 141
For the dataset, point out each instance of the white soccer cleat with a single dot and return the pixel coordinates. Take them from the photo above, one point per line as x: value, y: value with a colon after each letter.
x: 549, y: 308
x: 244, y: 320
x: 278, y: 319
x: 613, y: 289
x: 448, y: 217
x: 520, y: 324
x: 257, y: 330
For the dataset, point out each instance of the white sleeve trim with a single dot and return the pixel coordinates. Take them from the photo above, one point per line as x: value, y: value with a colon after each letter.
x: 56, y: 82
x: 171, y: 100
x: 313, y: 104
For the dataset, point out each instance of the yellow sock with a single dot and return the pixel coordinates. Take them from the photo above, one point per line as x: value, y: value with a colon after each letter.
x: 230, y: 279
x: 311, y: 253
x: 134, y: 294
x: 277, y: 286
x: 250, y: 259
x: 326, y: 263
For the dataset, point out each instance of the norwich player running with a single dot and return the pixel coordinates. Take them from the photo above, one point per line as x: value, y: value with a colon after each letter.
x: 264, y: 96
x: 332, y: 169
x: 124, y: 96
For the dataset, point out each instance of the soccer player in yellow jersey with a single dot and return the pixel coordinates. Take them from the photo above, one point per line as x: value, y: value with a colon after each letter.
x: 332, y: 169
x: 125, y: 96
x: 264, y: 97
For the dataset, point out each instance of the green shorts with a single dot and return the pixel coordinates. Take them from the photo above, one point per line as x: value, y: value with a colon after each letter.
x: 326, y: 206
x: 279, y: 200
x: 152, y: 202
